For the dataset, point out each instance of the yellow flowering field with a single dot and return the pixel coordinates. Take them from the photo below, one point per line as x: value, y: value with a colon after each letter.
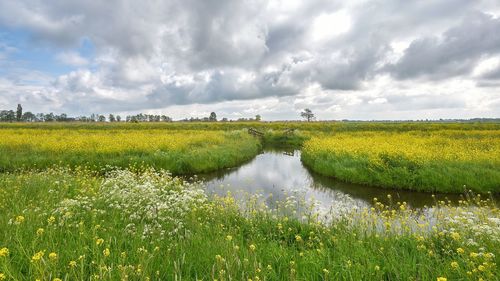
x: 181, y: 151
x: 445, y: 160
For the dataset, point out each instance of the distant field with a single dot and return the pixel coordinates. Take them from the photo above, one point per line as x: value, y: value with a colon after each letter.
x: 322, y: 126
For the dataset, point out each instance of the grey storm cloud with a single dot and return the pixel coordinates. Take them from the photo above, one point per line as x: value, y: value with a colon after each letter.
x: 492, y: 75
x: 153, y: 54
x: 454, y: 53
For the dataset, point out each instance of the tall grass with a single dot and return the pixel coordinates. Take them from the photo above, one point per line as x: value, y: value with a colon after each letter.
x: 73, y: 225
x: 443, y: 161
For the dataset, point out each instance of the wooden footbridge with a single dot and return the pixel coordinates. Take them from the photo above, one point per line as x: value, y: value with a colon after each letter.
x: 255, y: 133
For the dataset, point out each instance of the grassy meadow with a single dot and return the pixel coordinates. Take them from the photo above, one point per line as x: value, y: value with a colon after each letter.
x: 100, y: 202
x: 63, y: 224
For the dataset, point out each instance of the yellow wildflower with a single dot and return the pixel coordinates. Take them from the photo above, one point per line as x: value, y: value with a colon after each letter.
x: 99, y: 241
x: 298, y: 238
x: 106, y: 252
x: 442, y: 279
x: 252, y: 247
x: 4, y: 252
x: 489, y: 255
x: 72, y: 264
x: 53, y: 256
x: 40, y: 231
x: 460, y: 251
x: 326, y: 271
x: 2, y: 276
x: 229, y: 238
x: 377, y: 268
x: 37, y: 256
x: 19, y: 220
x: 455, y: 235
x: 219, y: 258
x: 51, y: 220
x: 454, y: 265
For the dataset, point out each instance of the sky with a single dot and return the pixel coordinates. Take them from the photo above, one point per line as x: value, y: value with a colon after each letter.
x: 359, y: 59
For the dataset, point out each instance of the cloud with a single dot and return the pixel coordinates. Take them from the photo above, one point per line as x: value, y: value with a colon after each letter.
x: 72, y: 58
x: 330, y: 55
x: 453, y: 53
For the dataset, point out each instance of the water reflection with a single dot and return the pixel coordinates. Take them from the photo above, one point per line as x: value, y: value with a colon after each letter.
x: 277, y: 174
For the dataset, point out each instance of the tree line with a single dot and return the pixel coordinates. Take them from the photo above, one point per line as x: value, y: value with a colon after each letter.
x: 20, y: 116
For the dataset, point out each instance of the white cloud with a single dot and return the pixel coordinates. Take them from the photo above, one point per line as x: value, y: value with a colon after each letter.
x: 72, y: 58
x: 326, y: 26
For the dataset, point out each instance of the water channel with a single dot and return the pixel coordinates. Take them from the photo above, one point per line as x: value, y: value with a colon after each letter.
x: 277, y: 174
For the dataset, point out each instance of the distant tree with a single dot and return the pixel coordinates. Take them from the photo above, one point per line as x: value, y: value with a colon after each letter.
x: 111, y: 118
x: 61, y: 118
x: 213, y: 117
x: 7, y: 115
x: 29, y: 117
x: 224, y: 119
x: 101, y: 118
x: 118, y: 118
x: 307, y: 114
x: 19, y: 112
x: 165, y: 118
x: 258, y: 117
x: 83, y: 119
x: 49, y: 117
x: 40, y: 117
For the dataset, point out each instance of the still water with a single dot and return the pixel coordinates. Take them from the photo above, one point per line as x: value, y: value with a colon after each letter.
x: 277, y: 174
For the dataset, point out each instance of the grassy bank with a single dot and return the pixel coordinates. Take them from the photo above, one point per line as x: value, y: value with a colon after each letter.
x: 443, y: 161
x: 292, y: 138
x: 179, y: 151
x: 62, y: 225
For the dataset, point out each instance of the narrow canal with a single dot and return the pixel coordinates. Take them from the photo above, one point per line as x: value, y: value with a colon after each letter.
x: 277, y: 174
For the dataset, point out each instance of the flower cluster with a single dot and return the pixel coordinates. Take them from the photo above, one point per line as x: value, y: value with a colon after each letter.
x: 153, y: 202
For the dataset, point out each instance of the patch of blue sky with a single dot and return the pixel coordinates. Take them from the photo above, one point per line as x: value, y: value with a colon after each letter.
x: 30, y: 54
